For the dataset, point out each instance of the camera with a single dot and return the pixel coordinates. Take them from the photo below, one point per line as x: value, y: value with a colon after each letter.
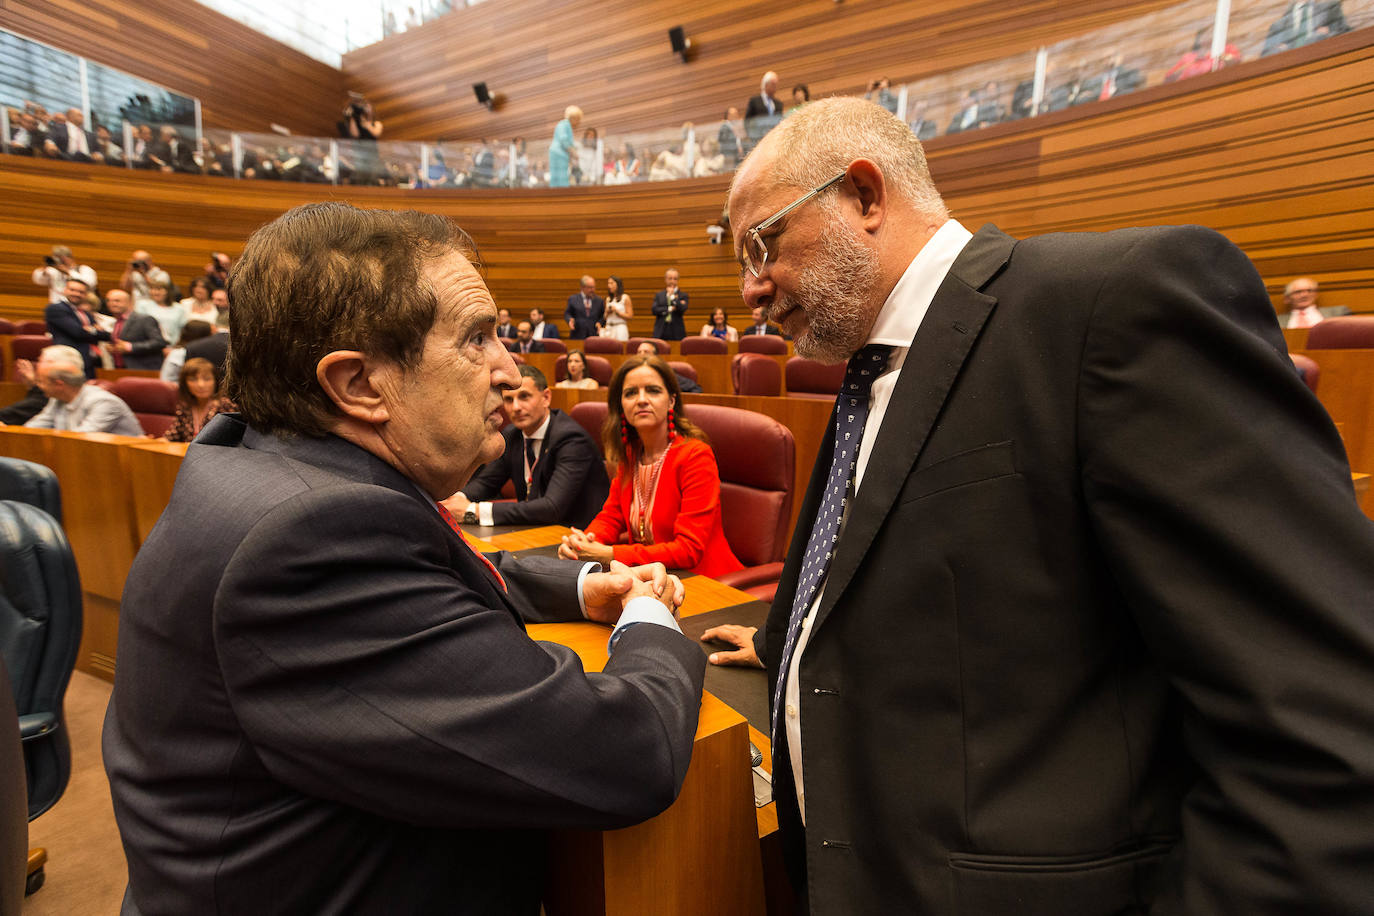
x: 139, y: 265
x: 50, y: 260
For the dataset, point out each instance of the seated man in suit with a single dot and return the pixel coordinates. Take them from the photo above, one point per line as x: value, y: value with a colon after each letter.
x: 326, y: 699
x: 71, y: 324
x: 525, y: 341
x: 136, y: 342
x: 555, y: 466
x: 68, y: 137
x: 586, y: 311
x: 72, y: 404
x: 1300, y: 296
x: 760, y: 327
x: 539, y: 326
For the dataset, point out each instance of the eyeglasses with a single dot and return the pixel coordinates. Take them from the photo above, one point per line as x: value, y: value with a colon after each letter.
x: 755, y: 252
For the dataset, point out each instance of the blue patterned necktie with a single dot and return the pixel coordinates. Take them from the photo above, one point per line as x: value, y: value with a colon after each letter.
x: 851, y: 411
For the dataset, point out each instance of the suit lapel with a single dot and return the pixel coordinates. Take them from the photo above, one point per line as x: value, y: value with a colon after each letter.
x: 937, y: 355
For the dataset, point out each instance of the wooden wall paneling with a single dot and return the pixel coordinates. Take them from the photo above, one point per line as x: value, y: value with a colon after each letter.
x: 244, y: 80
x: 1346, y: 390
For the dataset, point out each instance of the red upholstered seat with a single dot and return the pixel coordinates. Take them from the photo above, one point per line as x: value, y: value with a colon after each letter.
x: 553, y: 345
x: 762, y: 343
x: 6, y: 326
x: 660, y: 345
x: 603, y: 345
x: 1346, y: 332
x: 686, y: 370
x: 598, y: 367
x: 1308, y: 369
x: 152, y: 400
x: 31, y: 327
x: 690, y: 345
x: 27, y: 346
x: 756, y: 374
x: 807, y: 378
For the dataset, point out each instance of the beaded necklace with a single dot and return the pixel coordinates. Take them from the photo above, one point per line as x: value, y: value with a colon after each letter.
x: 646, y: 485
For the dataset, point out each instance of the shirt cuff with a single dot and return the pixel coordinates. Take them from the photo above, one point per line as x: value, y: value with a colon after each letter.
x: 641, y: 610
x: 587, y: 568
x: 484, y: 515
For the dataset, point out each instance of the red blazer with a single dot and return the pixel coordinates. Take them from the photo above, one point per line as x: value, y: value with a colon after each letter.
x: 686, y: 516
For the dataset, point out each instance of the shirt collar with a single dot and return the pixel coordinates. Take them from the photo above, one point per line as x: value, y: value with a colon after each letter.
x: 543, y: 427
x: 901, y: 315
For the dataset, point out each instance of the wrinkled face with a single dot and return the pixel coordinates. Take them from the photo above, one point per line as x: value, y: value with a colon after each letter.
x: 443, y: 417
x: 577, y: 367
x: 645, y: 400
x: 527, y: 406
x: 75, y: 291
x: 117, y: 301
x: 820, y: 280
x: 201, y: 385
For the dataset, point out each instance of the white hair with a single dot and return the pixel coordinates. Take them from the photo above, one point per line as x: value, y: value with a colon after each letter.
x: 67, y: 361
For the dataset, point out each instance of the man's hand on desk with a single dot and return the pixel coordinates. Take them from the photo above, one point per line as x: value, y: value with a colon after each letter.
x: 740, y: 637
x: 605, y: 594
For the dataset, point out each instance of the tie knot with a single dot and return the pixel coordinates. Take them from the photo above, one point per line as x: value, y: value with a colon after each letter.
x: 864, y: 368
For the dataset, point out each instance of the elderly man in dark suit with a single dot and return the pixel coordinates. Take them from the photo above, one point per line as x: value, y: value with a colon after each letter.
x: 1077, y: 618
x: 68, y: 137
x: 586, y: 311
x: 554, y: 466
x: 670, y: 304
x: 136, y: 341
x: 326, y: 700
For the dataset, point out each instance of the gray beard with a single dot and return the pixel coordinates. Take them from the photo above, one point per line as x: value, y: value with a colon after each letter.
x: 834, y: 290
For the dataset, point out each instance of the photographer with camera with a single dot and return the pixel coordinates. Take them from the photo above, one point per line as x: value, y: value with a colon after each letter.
x: 57, y: 268
x: 358, y: 161
x: 137, y: 275
x: 358, y: 121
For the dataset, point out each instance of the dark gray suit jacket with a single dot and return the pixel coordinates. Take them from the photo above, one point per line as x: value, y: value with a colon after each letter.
x: 144, y: 334
x: 569, y: 484
x: 1097, y: 636
x: 326, y: 704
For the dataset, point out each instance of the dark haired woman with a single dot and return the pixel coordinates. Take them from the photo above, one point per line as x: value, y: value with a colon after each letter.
x: 198, y: 399
x: 719, y: 326
x: 666, y: 494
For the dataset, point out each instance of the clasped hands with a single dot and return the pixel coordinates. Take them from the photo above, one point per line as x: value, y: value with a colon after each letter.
x: 583, y: 545
x: 605, y: 594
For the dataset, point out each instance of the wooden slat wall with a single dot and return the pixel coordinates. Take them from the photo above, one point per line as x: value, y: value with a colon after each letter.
x: 244, y: 80
x: 1277, y: 157
x: 613, y: 59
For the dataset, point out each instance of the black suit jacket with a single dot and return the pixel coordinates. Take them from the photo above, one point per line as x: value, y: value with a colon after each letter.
x: 57, y: 133
x: 580, y: 324
x: 144, y: 334
x: 326, y: 703
x: 753, y: 330
x: 666, y: 327
x: 569, y: 484
x: 215, y: 348
x: 66, y: 328
x: 757, y: 120
x: 1097, y: 634
x: 535, y: 346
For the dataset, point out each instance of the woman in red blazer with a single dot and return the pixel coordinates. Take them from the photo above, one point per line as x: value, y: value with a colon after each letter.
x: 663, y: 463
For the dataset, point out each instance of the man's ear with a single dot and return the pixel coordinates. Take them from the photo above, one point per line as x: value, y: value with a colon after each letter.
x: 871, y: 190
x: 347, y: 379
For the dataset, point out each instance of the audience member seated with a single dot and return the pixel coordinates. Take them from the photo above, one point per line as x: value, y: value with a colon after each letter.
x: 577, y: 372
x: 1303, y: 22
x: 1199, y: 59
x: 647, y: 349
x: 136, y: 341
x: 665, y: 499
x: 1300, y: 295
x: 27, y: 407
x: 176, y: 357
x: 68, y: 137
x: 71, y: 323
x: 171, y: 153
x: 525, y: 341
x: 57, y: 267
x: 554, y: 465
x: 74, y: 405
x: 106, y: 150
x: 26, y: 137
x: 719, y: 326
x: 760, y: 327
x: 198, y: 306
x: 539, y: 327
x: 198, y: 399
x: 710, y: 161
x: 624, y: 168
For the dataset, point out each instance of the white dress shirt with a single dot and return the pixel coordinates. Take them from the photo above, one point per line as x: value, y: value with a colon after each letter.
x: 896, y: 325
x: 55, y: 279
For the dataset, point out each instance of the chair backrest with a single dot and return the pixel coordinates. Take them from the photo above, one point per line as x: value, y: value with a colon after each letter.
x: 1308, y: 369
x: 590, y: 415
x: 553, y: 345
x: 808, y: 378
x: 14, y: 815
x: 692, y: 345
x: 762, y: 343
x: 757, y: 457
x: 35, y: 484
x: 27, y: 346
x: 598, y: 367
x: 603, y: 345
x: 40, y: 630
x: 686, y: 370
x: 660, y: 345
x: 35, y: 328
x: 1345, y: 332
x: 153, y: 401
x: 756, y: 374
x: 6, y: 326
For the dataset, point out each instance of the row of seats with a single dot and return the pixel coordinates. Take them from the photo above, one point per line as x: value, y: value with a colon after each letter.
x: 750, y: 374
x: 688, y: 346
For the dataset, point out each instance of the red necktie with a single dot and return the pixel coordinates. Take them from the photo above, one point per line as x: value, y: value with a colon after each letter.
x: 453, y: 523
x: 114, y: 341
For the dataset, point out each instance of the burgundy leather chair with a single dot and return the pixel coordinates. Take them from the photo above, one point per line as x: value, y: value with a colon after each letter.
x: 1345, y: 332
x: 598, y: 367
x: 762, y: 343
x: 686, y: 370
x: 757, y: 458
x: 807, y: 378
x: 553, y: 345
x: 660, y: 345
x: 690, y: 345
x: 1307, y: 368
x: 603, y: 345
x: 152, y: 400
x: 6, y: 326
x: 32, y: 327
x: 756, y: 374
x: 27, y: 346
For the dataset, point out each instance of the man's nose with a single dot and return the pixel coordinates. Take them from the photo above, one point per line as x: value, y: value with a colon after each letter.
x: 758, y: 292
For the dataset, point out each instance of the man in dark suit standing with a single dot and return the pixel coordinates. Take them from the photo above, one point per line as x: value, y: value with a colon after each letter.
x: 763, y: 111
x: 555, y: 467
x: 136, y: 342
x: 670, y: 304
x: 1077, y: 618
x: 69, y: 323
x: 525, y: 341
x: 326, y: 699
x: 586, y: 311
